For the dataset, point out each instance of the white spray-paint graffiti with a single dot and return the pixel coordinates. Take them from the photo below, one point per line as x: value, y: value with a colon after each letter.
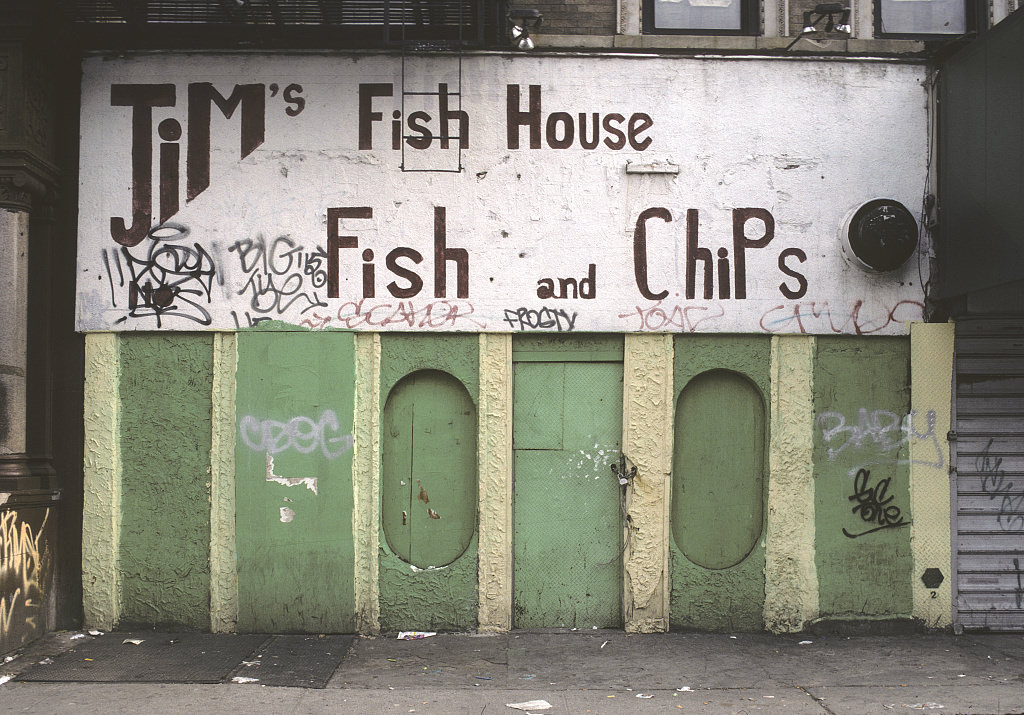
x: 886, y: 431
x: 299, y: 433
x: 20, y: 567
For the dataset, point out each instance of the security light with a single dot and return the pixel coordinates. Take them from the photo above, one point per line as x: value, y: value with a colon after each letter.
x: 826, y: 12
x: 522, y: 22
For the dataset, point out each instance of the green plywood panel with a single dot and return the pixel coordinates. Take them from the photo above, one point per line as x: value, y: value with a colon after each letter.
x: 568, y: 533
x: 729, y: 598
x: 294, y: 403
x: 166, y: 383
x: 428, y: 454
x: 539, y: 403
x: 444, y: 597
x: 861, y: 395
x: 718, y: 469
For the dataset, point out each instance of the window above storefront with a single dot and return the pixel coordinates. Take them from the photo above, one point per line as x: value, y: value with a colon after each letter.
x: 294, y: 23
x: 701, y: 17
x: 923, y: 18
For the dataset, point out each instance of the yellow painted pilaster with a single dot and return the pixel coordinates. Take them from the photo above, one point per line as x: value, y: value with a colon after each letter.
x: 101, y: 510
x: 495, y: 490
x: 791, y: 579
x: 366, y: 482
x: 223, y: 560
x: 931, y: 385
x: 647, y: 443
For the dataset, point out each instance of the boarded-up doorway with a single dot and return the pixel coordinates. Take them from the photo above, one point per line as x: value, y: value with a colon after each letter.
x: 567, y: 432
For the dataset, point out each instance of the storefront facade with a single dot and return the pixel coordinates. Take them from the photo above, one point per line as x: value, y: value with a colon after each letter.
x: 375, y: 344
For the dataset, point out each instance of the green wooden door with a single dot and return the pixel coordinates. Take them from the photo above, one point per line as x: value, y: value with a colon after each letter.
x: 567, y: 431
x: 428, y: 458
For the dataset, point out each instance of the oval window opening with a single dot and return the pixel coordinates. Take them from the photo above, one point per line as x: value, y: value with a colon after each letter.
x: 428, y: 469
x: 718, y: 469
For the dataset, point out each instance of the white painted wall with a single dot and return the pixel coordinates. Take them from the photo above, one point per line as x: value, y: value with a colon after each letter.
x: 806, y: 141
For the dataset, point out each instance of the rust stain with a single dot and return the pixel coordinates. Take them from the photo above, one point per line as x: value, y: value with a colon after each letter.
x: 423, y: 493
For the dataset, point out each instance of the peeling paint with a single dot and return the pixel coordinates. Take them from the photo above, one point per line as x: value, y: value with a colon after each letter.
x: 647, y: 440
x: 287, y: 514
x: 308, y: 482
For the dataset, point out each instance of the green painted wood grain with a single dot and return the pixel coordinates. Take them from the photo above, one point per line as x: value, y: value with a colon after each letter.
x: 165, y: 388
x: 295, y: 576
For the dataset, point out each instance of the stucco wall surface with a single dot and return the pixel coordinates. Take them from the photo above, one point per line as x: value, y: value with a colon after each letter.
x: 165, y: 389
x: 101, y: 517
x: 791, y: 579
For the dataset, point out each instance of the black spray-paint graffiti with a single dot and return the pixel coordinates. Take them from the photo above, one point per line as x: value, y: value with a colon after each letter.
x: 165, y: 278
x: 299, y: 433
x: 280, y: 273
x: 994, y: 484
x: 887, y: 431
x: 1019, y: 592
x: 543, y: 319
x: 874, y: 505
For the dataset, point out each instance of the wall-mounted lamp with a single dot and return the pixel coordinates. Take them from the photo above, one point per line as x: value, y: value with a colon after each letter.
x: 522, y: 22
x: 826, y: 12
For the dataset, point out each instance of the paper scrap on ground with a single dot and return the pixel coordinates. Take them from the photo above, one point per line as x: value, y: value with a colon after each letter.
x: 95, y: 633
x: 5, y: 678
x: 530, y: 705
x: 77, y: 636
x: 243, y: 679
x: 685, y: 689
x: 133, y: 641
x: 415, y: 635
x: 645, y: 697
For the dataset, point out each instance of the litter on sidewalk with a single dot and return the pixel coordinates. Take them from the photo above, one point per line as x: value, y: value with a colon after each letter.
x: 530, y: 705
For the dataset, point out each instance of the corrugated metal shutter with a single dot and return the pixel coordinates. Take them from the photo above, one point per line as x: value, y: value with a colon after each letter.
x: 989, y: 513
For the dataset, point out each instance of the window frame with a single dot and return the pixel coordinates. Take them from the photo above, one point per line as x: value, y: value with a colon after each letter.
x: 750, y: 22
x: 975, y: 18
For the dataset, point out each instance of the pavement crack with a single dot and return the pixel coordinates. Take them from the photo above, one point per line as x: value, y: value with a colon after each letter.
x: 817, y: 701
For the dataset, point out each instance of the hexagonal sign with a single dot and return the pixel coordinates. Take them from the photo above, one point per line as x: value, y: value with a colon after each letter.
x: 932, y: 578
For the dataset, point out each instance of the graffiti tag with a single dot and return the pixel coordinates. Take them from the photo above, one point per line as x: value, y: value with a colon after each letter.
x: 299, y: 433
x: 873, y: 505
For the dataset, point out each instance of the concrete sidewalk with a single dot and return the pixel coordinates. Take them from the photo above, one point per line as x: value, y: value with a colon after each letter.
x: 573, y: 671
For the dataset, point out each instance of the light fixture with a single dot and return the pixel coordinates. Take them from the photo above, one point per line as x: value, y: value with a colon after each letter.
x: 522, y: 22
x: 826, y: 12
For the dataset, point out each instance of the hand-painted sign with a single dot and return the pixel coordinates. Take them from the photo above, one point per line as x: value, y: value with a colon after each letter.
x: 493, y: 194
